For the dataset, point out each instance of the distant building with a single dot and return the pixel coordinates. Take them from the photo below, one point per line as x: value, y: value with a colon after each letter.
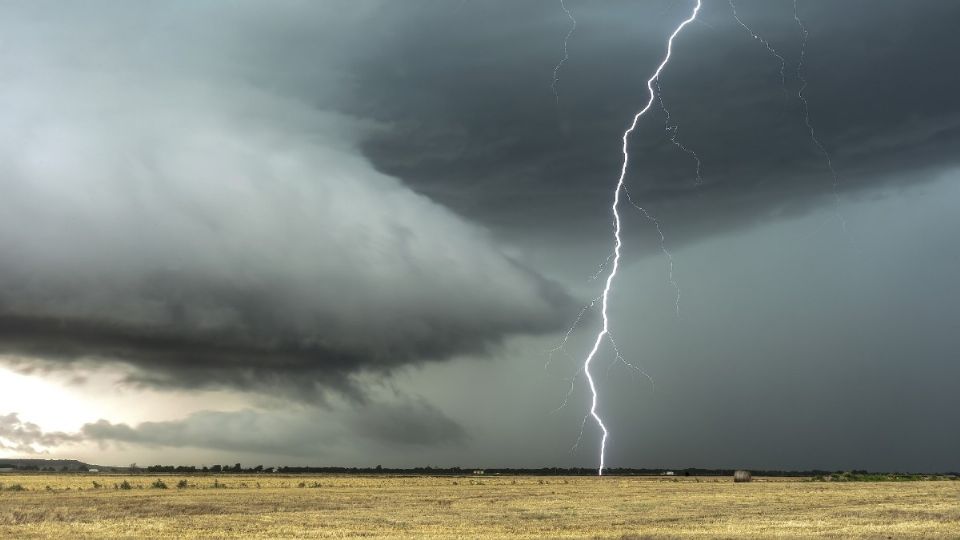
x: 667, y: 473
x: 93, y: 470
x: 479, y: 471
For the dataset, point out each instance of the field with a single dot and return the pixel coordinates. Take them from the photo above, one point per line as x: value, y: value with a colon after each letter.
x: 274, y: 506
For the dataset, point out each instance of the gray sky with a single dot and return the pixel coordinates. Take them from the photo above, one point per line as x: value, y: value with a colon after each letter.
x: 353, y: 232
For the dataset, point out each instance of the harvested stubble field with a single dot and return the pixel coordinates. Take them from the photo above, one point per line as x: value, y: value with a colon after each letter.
x: 275, y: 506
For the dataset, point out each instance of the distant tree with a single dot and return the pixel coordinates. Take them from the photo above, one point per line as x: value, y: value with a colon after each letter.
x: 237, y: 468
x: 215, y: 468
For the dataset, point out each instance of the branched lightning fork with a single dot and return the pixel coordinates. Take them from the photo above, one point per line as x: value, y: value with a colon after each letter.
x: 561, y: 347
x: 663, y: 248
x: 619, y: 359
x: 576, y: 445
x: 803, y: 99
x: 566, y: 398
x: 754, y: 35
x: 566, y: 56
x: 600, y: 268
x: 605, y: 330
x: 806, y: 118
x: 673, y: 131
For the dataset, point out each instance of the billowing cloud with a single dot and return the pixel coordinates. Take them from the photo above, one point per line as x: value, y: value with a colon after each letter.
x: 208, y: 230
x: 289, y: 432
x: 28, y: 438
x: 294, y: 431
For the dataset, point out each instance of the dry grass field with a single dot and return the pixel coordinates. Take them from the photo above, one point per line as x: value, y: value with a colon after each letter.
x: 274, y: 506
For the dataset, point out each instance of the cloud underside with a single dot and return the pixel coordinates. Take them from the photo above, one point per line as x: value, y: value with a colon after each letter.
x: 296, y: 432
x: 546, y: 167
x: 289, y: 432
x: 208, y: 230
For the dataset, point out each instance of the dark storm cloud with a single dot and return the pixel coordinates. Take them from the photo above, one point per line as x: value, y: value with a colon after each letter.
x: 415, y: 422
x: 286, y: 198
x: 181, y: 197
x: 27, y: 438
x: 192, y: 199
x: 288, y: 432
x: 468, y: 91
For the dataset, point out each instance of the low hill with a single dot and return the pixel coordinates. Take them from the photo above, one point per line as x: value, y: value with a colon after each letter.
x: 61, y: 465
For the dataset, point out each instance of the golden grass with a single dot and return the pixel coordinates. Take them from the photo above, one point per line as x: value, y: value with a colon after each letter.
x: 275, y: 506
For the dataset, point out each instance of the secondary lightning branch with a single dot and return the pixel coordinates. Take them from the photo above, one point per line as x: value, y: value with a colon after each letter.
x: 804, y: 34
x: 566, y: 56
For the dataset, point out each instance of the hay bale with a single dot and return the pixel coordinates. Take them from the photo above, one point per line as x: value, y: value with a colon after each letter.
x: 742, y: 476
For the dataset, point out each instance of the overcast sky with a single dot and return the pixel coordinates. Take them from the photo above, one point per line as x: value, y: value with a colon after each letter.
x: 358, y: 233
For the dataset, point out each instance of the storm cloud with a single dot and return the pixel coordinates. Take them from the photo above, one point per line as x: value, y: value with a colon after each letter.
x: 304, y: 432
x: 880, y: 97
x: 206, y: 229
x: 329, y: 203
x: 301, y: 193
x: 295, y: 431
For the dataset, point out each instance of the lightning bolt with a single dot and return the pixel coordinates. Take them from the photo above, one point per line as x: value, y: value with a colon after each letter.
x: 566, y: 39
x: 561, y: 347
x: 618, y: 244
